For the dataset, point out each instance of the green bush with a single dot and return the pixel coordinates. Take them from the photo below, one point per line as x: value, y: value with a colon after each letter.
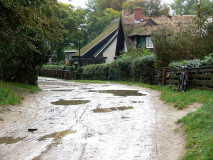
x: 124, y: 68
x: 63, y: 67
x: 181, y: 43
x: 136, y: 65
x: 207, y: 61
x: 94, y: 72
x: 142, y: 67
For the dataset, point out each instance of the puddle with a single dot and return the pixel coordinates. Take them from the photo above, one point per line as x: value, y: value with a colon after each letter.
x: 137, y: 101
x: 104, y: 110
x: 62, y: 90
x: 57, y: 140
x: 70, y: 102
x: 57, y: 136
x: 10, y: 140
x: 120, y: 92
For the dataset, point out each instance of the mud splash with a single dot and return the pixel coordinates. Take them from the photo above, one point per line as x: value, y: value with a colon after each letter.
x: 10, y: 140
x: 70, y: 102
x: 123, y: 93
x: 104, y: 110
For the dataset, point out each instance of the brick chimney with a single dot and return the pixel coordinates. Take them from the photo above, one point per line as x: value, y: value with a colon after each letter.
x: 126, y: 12
x: 137, y: 13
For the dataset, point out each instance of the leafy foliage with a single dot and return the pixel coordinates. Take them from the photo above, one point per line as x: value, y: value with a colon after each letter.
x: 29, y: 31
x: 149, y: 7
x: 94, y: 72
x: 72, y: 21
x: 129, y: 66
x: 207, y: 61
x: 181, y: 44
x: 188, y: 7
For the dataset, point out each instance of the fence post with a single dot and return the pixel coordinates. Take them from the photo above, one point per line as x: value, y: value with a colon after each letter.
x: 164, y: 75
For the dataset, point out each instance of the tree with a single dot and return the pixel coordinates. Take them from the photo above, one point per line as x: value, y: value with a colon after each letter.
x: 99, y: 15
x: 188, y: 7
x: 102, y: 5
x: 149, y: 7
x: 29, y: 31
x: 71, y: 21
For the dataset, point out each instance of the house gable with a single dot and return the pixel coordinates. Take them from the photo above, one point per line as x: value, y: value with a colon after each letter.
x: 150, y: 22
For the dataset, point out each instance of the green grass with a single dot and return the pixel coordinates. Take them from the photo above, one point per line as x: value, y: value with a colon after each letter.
x: 9, y: 96
x: 11, y: 93
x: 197, y: 125
x: 23, y: 87
x: 199, y: 128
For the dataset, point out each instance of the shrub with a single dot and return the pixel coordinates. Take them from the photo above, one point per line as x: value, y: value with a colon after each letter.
x: 181, y: 43
x: 142, y: 67
x: 207, y: 61
x: 94, y: 72
x: 124, y: 68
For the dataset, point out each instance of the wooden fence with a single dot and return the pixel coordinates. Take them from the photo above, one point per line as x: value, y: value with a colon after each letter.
x: 62, y: 74
x: 201, y: 77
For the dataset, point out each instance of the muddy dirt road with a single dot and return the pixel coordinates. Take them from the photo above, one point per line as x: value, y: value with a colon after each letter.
x: 76, y: 121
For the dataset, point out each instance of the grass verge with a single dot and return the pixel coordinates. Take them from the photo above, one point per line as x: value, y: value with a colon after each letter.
x: 11, y: 93
x: 198, y: 125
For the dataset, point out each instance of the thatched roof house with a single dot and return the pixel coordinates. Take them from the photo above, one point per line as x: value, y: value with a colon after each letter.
x: 102, y: 48
x: 135, y: 29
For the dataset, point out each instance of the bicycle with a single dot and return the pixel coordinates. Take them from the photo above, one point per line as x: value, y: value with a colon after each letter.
x: 183, y: 81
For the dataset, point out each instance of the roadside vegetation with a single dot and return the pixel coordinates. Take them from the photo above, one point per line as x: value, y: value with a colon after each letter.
x: 11, y: 93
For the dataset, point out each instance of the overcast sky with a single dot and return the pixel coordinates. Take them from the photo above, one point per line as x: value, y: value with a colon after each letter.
x: 81, y: 3
x: 75, y: 3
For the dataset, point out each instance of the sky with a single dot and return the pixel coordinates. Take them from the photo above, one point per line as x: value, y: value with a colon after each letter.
x: 81, y: 3
x: 75, y: 3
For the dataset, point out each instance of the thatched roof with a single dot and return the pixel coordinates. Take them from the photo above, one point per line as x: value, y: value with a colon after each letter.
x: 101, y: 41
x: 151, y: 23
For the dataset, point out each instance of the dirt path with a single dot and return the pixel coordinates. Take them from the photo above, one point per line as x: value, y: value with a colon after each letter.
x: 96, y: 126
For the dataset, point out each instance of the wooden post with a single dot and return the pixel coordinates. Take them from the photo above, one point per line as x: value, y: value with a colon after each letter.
x: 164, y: 76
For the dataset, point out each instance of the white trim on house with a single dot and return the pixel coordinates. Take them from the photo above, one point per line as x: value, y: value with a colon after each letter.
x: 125, y: 46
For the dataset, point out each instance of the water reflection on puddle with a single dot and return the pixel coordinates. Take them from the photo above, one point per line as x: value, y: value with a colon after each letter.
x: 57, y: 136
x: 57, y: 140
x: 70, y: 102
x: 120, y: 92
x: 104, y: 110
x: 10, y: 140
x: 62, y: 90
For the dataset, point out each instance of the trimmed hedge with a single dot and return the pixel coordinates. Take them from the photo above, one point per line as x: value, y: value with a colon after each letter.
x: 124, y: 69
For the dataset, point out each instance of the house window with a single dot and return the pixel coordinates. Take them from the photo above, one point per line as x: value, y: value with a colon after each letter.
x: 149, y: 43
x: 135, y: 42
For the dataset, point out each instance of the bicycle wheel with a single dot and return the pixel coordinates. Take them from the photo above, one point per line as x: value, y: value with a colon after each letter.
x: 184, y: 86
x: 180, y: 83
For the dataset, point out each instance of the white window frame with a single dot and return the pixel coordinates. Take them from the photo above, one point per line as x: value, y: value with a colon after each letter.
x: 149, y: 43
x: 135, y: 42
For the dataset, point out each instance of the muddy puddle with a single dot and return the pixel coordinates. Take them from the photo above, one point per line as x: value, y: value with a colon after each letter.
x: 69, y: 102
x: 104, y: 110
x: 62, y: 90
x: 57, y: 140
x: 10, y: 140
x: 123, y: 93
x: 57, y: 136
